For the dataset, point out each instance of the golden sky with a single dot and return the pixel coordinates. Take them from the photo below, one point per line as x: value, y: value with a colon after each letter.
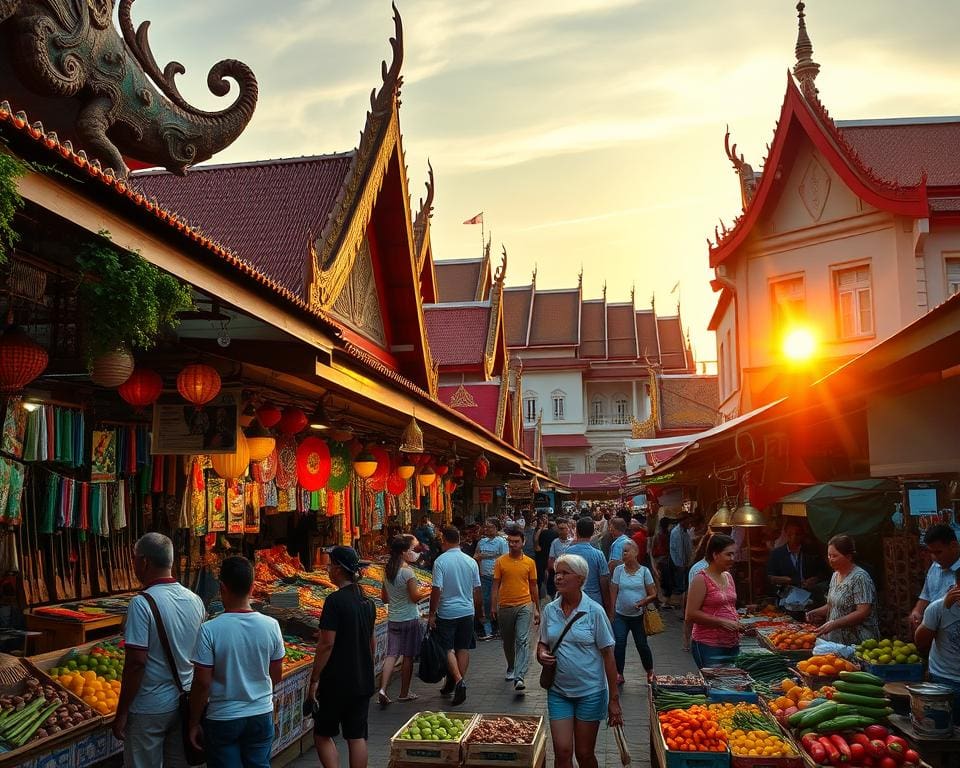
x: 589, y: 132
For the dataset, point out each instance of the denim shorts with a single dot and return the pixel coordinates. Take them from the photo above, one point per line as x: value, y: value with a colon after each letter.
x: 587, y: 709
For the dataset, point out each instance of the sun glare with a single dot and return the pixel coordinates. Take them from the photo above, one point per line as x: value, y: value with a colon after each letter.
x: 799, y: 345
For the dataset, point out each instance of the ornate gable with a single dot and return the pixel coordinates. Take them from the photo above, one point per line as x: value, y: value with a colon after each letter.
x: 358, y: 304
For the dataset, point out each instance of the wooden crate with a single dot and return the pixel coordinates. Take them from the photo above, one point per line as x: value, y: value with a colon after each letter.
x: 668, y: 758
x: 513, y: 755
x: 795, y: 655
x: 46, y: 661
x: 422, y: 752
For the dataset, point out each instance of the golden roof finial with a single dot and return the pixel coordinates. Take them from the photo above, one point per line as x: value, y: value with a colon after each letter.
x: 806, y: 69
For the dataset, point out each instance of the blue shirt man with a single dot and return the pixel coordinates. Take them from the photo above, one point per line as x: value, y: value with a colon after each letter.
x: 597, y: 585
x: 941, y: 542
x: 455, y: 575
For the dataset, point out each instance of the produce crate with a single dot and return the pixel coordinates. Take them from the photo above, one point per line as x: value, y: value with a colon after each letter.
x: 894, y: 673
x: 724, y: 695
x: 516, y: 755
x: 766, y: 762
x: 669, y: 758
x: 46, y: 661
x: 429, y: 752
x: 795, y: 655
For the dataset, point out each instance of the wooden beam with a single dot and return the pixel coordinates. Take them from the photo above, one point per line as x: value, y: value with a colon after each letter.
x: 69, y: 203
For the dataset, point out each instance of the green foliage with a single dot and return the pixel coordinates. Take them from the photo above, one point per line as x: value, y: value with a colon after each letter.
x: 125, y: 300
x: 10, y: 201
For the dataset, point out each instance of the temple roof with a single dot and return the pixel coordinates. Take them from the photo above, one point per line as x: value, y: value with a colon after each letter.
x: 275, y: 207
x: 457, y: 332
x: 593, y: 329
x: 516, y: 314
x: 621, y: 331
x: 648, y: 342
x: 462, y: 279
x: 555, y: 319
x: 673, y: 349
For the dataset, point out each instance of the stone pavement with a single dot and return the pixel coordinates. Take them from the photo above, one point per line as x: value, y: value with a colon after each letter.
x: 488, y: 692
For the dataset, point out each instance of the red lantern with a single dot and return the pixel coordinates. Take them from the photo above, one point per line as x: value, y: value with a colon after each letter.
x: 442, y: 469
x: 198, y: 384
x: 142, y: 388
x: 396, y: 484
x: 292, y: 421
x: 458, y: 472
x: 268, y: 415
x: 21, y: 359
x: 313, y: 464
x: 481, y: 466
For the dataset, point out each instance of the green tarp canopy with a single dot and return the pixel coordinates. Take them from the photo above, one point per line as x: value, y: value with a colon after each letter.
x: 856, y: 507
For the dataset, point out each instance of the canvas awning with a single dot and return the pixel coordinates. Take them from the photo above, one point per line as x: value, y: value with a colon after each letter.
x: 856, y: 507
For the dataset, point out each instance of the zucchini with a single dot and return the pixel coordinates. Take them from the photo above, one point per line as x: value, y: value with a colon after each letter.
x: 859, y: 689
x: 861, y: 678
x: 846, y: 723
x: 857, y: 700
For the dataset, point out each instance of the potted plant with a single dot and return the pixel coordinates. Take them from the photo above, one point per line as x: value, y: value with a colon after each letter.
x: 126, y: 303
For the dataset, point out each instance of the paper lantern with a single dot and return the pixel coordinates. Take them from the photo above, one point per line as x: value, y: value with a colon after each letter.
x: 232, y: 465
x: 427, y: 477
x: 313, y: 464
x: 142, y: 388
x: 405, y: 469
x: 198, y: 384
x: 458, y: 471
x: 412, y: 439
x: 268, y: 415
x: 21, y: 359
x: 384, y: 465
x: 260, y: 442
x: 113, y: 368
x: 292, y: 421
x: 365, y: 464
x: 442, y: 469
x: 396, y: 484
x: 481, y: 466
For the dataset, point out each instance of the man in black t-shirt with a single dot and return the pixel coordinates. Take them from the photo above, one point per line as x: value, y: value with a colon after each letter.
x: 544, y: 535
x: 343, y: 666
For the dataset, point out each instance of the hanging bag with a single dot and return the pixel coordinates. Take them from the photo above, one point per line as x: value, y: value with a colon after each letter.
x: 433, y: 659
x: 549, y: 674
x: 193, y: 755
x: 652, y: 622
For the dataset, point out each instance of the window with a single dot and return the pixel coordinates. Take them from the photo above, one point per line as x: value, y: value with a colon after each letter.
x: 733, y: 373
x: 953, y: 275
x: 559, y: 400
x: 529, y: 407
x: 854, y: 302
x: 621, y: 409
x: 723, y: 371
x: 609, y: 463
x: 597, y: 415
x: 563, y: 464
x: 787, y: 302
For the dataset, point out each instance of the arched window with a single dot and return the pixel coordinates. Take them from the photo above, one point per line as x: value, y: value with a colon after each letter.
x: 559, y: 399
x: 621, y: 409
x: 529, y: 406
x: 598, y: 410
x: 609, y: 462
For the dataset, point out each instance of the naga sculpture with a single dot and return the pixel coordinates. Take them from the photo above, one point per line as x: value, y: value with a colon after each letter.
x: 128, y: 105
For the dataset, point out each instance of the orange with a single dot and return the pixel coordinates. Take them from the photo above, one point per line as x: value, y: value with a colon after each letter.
x: 827, y: 669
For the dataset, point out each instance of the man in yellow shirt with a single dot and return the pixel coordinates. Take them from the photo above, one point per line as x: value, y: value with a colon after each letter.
x: 514, y: 604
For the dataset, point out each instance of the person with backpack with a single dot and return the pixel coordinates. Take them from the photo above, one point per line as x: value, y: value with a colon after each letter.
x: 148, y: 718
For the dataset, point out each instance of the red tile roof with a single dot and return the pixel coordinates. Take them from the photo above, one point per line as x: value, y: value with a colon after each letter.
x: 621, y: 331
x: 556, y: 318
x: 647, y: 341
x: 274, y: 207
x: 592, y: 481
x: 901, y: 152
x: 458, y: 280
x: 487, y: 402
x: 516, y: 314
x: 457, y: 334
x: 528, y: 442
x: 672, y: 346
x: 565, y: 441
x: 593, y: 339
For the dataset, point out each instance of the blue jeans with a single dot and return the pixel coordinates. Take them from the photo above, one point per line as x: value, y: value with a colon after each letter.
x: 486, y: 589
x: 233, y: 743
x: 622, y: 627
x: 713, y: 655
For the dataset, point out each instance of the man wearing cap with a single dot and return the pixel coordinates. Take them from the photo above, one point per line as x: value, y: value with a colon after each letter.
x: 455, y: 600
x: 343, y: 665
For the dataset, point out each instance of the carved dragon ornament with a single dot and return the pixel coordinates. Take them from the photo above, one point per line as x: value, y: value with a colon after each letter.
x: 128, y: 105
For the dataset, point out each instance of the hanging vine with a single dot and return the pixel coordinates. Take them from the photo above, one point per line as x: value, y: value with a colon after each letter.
x: 10, y: 201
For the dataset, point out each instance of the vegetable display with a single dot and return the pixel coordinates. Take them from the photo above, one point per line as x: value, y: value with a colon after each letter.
x: 888, y: 651
x: 667, y: 700
x: 40, y: 711
x: 93, y: 676
x: 793, y: 640
x: 766, y: 669
x: 826, y: 665
x: 434, y: 726
x: 692, y: 730
x: 503, y: 730
x: 870, y: 747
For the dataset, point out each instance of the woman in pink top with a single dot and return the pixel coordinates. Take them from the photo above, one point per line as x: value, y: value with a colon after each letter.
x: 712, y: 607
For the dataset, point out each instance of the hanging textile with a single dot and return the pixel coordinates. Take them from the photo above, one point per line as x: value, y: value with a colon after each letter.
x: 14, y: 428
x: 252, y: 502
x: 235, y: 506
x: 103, y: 457
x: 216, y: 504
x: 118, y: 516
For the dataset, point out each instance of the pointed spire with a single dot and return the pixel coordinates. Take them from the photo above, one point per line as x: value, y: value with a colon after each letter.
x: 604, y: 290
x: 806, y: 69
x: 534, y: 276
x: 501, y: 272
x: 580, y: 277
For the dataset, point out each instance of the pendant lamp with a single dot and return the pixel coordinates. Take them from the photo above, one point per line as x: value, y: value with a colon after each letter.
x: 21, y: 358
x: 406, y: 468
x: 198, y: 384
x: 748, y: 516
x: 259, y: 441
x: 427, y: 477
x: 412, y: 439
x: 232, y: 465
x: 142, y: 388
x: 723, y: 517
x: 365, y: 464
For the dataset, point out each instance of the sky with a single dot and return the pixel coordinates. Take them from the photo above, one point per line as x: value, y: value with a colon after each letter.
x: 588, y: 132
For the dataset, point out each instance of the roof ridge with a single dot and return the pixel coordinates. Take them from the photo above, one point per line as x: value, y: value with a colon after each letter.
x: 303, y: 159
x: 881, y: 122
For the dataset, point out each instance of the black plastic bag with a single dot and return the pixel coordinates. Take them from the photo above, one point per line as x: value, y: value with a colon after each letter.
x: 433, y: 659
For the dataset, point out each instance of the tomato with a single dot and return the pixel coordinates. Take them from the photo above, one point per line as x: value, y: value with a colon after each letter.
x: 888, y: 762
x: 876, y: 732
x: 911, y: 757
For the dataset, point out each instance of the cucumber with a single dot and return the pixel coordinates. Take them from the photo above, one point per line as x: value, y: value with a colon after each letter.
x: 877, y: 713
x: 813, y: 716
x: 857, y: 700
x: 862, y: 678
x: 846, y: 723
x: 859, y: 689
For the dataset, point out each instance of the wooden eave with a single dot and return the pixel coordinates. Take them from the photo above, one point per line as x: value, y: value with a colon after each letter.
x: 796, y: 113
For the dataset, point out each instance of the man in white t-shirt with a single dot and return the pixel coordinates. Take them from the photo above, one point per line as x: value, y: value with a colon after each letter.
x: 237, y: 663
x: 148, y: 718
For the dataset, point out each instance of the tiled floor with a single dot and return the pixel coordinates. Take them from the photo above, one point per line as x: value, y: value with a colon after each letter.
x: 487, y: 692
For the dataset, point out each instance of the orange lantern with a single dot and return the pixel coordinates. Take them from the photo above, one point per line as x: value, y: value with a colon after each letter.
x: 442, y: 469
x: 260, y: 442
x: 481, y: 467
x: 427, y: 477
x: 230, y: 466
x: 365, y: 464
x: 198, y: 384
x: 292, y: 421
x: 142, y: 388
x: 268, y: 415
x: 405, y: 469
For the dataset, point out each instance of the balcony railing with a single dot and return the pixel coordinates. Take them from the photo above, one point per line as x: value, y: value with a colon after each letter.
x: 602, y: 421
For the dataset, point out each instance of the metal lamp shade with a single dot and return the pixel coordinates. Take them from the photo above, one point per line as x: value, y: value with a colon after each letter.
x: 405, y: 470
x: 722, y: 518
x: 748, y: 516
x: 365, y: 465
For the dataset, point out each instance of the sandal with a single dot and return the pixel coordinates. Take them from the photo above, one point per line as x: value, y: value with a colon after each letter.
x: 408, y: 697
x: 383, y: 699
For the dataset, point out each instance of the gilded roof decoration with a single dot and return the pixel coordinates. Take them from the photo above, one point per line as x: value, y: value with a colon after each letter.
x: 421, y: 224
x: 462, y: 398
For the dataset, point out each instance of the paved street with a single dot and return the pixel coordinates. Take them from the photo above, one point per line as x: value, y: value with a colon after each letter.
x: 489, y: 693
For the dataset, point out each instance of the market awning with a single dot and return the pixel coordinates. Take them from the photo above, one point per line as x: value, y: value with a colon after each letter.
x: 856, y: 507
x: 565, y: 441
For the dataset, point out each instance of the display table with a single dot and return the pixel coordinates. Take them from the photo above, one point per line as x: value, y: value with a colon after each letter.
x: 57, y: 633
x: 937, y: 751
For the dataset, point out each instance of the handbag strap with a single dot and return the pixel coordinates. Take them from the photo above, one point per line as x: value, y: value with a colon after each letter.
x: 164, y: 640
x: 576, y: 617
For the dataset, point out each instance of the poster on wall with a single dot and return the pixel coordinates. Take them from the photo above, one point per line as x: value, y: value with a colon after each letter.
x: 103, y: 458
x: 183, y: 429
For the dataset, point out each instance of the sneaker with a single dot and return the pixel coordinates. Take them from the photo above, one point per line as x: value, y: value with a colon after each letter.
x: 509, y: 675
x: 448, y: 687
x: 485, y: 638
x: 459, y: 693
x: 519, y: 685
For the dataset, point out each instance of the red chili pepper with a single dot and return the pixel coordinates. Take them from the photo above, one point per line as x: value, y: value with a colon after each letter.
x: 841, y: 744
x: 832, y: 752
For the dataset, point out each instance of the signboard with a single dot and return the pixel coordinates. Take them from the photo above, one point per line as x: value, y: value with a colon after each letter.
x: 484, y: 495
x: 182, y: 429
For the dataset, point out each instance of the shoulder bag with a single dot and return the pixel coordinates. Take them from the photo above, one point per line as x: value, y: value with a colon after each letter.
x: 193, y: 755
x: 549, y: 674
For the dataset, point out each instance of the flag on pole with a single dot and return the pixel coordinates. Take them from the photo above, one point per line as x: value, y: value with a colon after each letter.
x: 675, y: 288
x: 478, y: 219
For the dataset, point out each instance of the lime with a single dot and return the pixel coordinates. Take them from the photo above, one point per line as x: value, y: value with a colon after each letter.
x: 885, y: 643
x: 913, y: 659
x: 870, y: 644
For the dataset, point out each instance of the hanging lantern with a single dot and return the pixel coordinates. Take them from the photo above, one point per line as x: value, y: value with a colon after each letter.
x: 232, y: 465
x: 142, y: 388
x: 268, y: 415
x: 384, y: 464
x: 442, y: 469
x: 260, y: 442
x: 21, y: 358
x: 396, y: 484
x: 313, y: 464
x: 292, y: 421
x: 481, y: 466
x: 340, y: 473
x: 458, y: 472
x: 427, y: 477
x: 406, y: 468
x: 113, y: 368
x: 365, y: 464
x: 198, y: 384
x: 412, y: 439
